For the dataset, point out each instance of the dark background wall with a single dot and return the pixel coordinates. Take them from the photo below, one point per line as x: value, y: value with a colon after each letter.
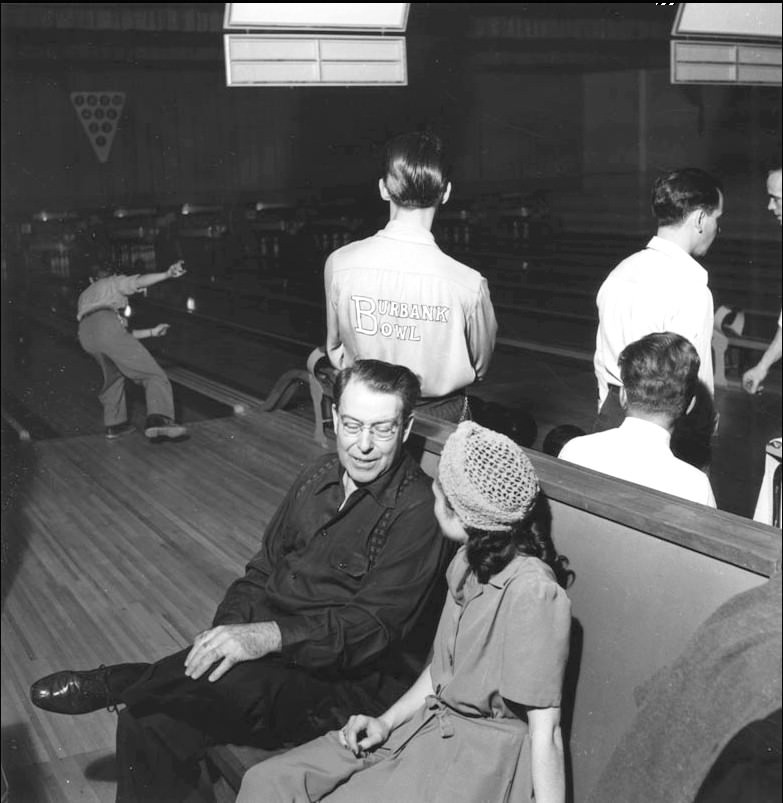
x: 573, y: 98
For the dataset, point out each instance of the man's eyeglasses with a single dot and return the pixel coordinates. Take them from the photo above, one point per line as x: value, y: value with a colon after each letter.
x: 380, y: 430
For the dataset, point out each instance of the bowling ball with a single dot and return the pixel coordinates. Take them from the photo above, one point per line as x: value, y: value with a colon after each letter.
x: 558, y: 437
x: 476, y: 407
x: 517, y: 424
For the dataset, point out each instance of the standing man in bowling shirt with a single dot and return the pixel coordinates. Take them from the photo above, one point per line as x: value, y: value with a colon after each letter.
x: 396, y: 296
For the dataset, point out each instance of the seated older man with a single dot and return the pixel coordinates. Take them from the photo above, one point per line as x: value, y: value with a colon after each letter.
x: 335, y: 613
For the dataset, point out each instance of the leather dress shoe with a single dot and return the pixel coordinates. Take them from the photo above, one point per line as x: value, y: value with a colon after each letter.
x: 81, y: 692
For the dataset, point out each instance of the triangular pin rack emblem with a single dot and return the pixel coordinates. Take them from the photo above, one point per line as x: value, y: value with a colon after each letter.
x: 99, y: 113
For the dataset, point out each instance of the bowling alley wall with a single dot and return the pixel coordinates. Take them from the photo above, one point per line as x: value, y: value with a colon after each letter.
x: 183, y: 136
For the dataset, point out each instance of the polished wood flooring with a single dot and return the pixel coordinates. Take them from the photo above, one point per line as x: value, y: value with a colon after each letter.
x: 119, y: 551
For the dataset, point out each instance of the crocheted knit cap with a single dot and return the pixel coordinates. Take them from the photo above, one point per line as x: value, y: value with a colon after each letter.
x: 487, y: 478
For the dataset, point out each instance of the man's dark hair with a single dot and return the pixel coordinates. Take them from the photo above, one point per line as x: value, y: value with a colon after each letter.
x: 382, y: 377
x: 660, y: 373
x: 415, y: 171
x: 677, y: 194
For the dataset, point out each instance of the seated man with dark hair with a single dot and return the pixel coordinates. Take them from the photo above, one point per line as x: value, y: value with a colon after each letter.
x: 335, y: 613
x: 660, y: 376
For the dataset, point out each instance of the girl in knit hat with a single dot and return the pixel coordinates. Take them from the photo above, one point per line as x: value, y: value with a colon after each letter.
x: 482, y: 722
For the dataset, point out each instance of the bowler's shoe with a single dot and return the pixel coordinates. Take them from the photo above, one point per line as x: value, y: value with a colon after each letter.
x: 74, y: 692
x: 118, y: 430
x: 160, y: 426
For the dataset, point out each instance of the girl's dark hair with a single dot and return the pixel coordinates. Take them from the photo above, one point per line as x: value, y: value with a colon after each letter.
x: 415, y: 171
x: 489, y: 552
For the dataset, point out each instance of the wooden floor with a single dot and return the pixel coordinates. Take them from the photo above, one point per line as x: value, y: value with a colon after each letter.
x: 120, y: 551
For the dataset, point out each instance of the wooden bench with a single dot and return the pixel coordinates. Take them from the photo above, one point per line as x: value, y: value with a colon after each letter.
x: 225, y: 764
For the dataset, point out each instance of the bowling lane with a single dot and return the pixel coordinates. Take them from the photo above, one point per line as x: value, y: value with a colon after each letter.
x: 50, y: 387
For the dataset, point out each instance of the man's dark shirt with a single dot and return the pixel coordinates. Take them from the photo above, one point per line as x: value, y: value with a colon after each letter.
x: 346, y: 600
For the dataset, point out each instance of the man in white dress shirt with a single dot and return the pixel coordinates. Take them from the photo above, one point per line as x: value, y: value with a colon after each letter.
x: 663, y: 287
x: 659, y: 375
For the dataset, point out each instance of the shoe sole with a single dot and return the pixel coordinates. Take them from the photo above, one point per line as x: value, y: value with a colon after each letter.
x: 170, y: 432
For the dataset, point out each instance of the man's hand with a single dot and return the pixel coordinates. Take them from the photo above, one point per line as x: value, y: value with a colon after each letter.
x: 159, y: 330
x: 231, y: 644
x: 362, y: 733
x: 176, y: 270
x: 752, y: 379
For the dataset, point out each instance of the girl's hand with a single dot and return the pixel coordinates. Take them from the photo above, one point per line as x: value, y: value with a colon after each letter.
x: 362, y: 733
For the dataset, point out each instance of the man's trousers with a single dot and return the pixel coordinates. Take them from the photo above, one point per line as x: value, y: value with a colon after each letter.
x: 171, y: 719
